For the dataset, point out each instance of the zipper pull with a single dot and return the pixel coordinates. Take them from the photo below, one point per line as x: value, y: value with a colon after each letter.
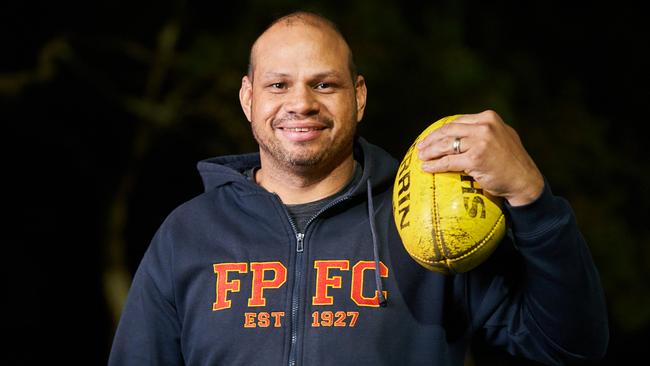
x: 299, y: 242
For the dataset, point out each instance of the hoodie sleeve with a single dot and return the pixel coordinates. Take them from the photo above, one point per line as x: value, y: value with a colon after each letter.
x: 543, y: 300
x: 149, y: 328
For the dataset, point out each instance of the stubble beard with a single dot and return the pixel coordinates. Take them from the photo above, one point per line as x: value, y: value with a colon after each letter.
x: 310, y: 157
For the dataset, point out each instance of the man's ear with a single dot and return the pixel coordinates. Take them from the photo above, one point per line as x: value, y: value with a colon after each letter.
x: 361, y: 93
x: 246, y: 97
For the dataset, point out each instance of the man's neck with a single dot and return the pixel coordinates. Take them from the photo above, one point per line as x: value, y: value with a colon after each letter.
x: 309, y: 185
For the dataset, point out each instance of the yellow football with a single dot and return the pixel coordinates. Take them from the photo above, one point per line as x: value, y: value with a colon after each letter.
x: 447, y: 223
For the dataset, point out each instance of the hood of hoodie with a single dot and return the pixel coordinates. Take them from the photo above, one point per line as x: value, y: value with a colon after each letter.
x: 379, y: 167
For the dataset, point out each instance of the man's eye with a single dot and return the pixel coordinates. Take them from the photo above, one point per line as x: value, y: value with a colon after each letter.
x: 322, y: 86
x: 278, y: 85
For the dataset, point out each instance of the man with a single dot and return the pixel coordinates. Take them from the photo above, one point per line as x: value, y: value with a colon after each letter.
x: 276, y: 262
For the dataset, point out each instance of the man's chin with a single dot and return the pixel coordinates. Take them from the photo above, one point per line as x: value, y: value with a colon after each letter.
x: 303, y: 155
x: 304, y: 161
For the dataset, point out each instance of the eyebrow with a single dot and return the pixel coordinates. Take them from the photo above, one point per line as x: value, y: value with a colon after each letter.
x: 275, y: 74
x: 331, y: 73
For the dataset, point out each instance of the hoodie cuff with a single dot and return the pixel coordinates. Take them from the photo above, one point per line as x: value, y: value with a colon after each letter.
x: 536, y: 217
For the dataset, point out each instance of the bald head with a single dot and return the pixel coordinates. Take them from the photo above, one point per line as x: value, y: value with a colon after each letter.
x: 295, y: 21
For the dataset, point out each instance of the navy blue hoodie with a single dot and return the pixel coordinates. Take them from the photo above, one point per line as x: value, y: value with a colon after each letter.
x: 227, y: 280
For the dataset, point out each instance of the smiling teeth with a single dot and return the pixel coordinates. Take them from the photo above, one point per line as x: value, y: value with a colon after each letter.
x: 300, y: 129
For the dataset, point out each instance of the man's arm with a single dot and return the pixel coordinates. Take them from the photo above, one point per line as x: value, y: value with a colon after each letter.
x: 149, y: 329
x: 544, y: 301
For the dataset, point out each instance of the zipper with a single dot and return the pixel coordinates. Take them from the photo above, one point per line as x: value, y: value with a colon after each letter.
x: 299, y: 242
x: 295, y: 298
x: 298, y: 273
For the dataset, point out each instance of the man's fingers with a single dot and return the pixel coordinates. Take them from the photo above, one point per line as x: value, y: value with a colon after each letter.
x: 447, y: 132
x: 448, y: 145
x: 477, y: 118
x: 456, y: 136
x: 447, y: 163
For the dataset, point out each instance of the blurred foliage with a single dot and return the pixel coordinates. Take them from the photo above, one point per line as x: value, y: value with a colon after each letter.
x: 155, y: 86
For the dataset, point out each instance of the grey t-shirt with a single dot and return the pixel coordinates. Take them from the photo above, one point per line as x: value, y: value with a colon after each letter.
x: 301, y: 213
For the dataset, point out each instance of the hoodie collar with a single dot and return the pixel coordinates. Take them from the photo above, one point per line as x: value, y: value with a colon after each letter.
x: 378, y: 166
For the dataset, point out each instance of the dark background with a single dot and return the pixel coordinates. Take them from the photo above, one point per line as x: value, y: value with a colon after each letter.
x: 106, y: 106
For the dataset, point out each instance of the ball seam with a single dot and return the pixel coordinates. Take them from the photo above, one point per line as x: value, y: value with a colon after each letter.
x: 475, y: 247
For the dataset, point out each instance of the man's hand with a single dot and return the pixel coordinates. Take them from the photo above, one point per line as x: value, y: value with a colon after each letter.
x: 488, y: 150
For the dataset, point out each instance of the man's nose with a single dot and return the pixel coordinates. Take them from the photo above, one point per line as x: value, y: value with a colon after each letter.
x: 302, y: 100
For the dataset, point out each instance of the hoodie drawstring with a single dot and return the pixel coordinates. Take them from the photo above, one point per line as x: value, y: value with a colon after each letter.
x: 375, y: 247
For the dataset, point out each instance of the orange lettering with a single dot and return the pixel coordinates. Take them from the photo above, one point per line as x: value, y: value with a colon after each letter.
x: 260, y: 284
x: 324, y: 281
x: 223, y: 285
x: 249, y: 320
x: 357, y: 283
x: 277, y: 315
x: 263, y: 320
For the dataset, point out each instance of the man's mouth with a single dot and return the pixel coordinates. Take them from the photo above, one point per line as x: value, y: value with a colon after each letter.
x: 301, y: 129
x: 301, y: 134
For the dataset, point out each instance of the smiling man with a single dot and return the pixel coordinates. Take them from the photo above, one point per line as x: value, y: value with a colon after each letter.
x: 291, y: 255
x: 303, y: 99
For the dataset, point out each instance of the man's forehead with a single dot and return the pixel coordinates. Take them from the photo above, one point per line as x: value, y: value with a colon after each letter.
x: 307, y: 41
x: 286, y: 34
x: 299, y: 40
x: 319, y: 74
x: 300, y: 22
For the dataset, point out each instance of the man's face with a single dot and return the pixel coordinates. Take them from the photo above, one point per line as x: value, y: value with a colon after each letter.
x: 302, y: 102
